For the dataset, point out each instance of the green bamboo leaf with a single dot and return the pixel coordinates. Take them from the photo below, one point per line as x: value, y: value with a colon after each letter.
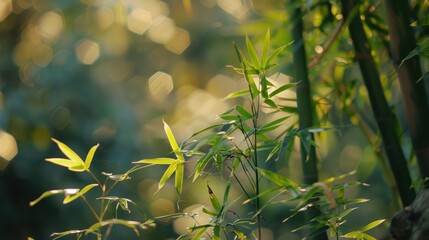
x: 347, y: 212
x: 252, y: 86
x: 252, y: 53
x: 372, y: 225
x: 289, y: 109
x: 90, y: 156
x: 167, y: 174
x: 282, y: 89
x: 69, y: 153
x: 270, y: 103
x: 213, y: 199
x: 173, y: 142
x: 237, y: 94
x: 79, y: 168
x: 159, y: 161
x: 421, y: 49
x: 243, y: 112
x: 280, y: 180
x: 200, y: 233
x: 206, y: 211
x: 216, y: 232
x: 71, y: 165
x: 202, y: 163
x: 48, y: 194
x: 180, y: 169
x: 424, y: 21
x: 70, y: 198
x: 264, y: 54
x: 274, y: 55
x: 272, y: 125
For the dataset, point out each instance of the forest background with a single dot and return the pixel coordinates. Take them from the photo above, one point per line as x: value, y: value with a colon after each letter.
x: 108, y: 72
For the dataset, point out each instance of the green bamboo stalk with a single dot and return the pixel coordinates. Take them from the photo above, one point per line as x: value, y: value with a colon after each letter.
x: 382, y: 113
x: 402, y: 42
x: 304, y: 103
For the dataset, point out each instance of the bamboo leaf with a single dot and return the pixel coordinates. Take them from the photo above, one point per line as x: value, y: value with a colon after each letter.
x: 180, y: 169
x: 70, y: 198
x: 173, y: 142
x: 48, y: 194
x: 372, y: 225
x: 69, y: 153
x: 237, y: 94
x: 275, y: 54
x: 282, y: 89
x: 159, y: 161
x: 72, y: 166
x: 272, y: 125
x: 252, y: 53
x: 206, y: 211
x: 90, y: 156
x: 252, y: 86
x: 243, y: 112
x: 280, y: 180
x: 264, y: 55
x: 200, y: 233
x: 167, y: 174
x: 213, y: 199
x: 424, y: 21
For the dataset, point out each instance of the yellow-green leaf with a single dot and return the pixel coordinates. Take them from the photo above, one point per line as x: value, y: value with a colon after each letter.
x: 180, y: 169
x: 157, y: 161
x: 173, y: 142
x: 45, y: 195
x: 70, y: 198
x: 90, y: 156
x: 213, y: 199
x: 372, y: 225
x: 68, y: 152
x: 167, y: 174
x: 63, y: 162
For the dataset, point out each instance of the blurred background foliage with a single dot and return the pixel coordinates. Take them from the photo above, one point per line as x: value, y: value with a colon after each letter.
x: 108, y: 71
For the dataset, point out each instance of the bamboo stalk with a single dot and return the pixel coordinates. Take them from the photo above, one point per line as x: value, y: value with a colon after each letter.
x: 304, y: 103
x: 402, y: 42
x: 382, y: 113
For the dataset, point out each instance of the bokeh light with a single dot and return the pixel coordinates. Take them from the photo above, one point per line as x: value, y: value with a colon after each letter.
x: 139, y: 20
x: 8, y: 149
x: 5, y: 9
x: 50, y: 25
x: 160, y: 85
x: 87, y: 51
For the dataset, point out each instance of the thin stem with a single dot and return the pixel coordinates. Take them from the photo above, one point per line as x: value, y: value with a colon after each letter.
x: 91, y: 208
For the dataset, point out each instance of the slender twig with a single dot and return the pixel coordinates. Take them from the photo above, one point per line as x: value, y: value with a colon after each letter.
x: 315, y: 60
x: 91, y: 208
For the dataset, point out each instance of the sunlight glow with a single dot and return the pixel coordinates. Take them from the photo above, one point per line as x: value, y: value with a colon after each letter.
x: 105, y: 18
x: 139, y: 21
x: 50, y: 25
x: 160, y: 85
x: 8, y: 149
x: 162, y: 30
x: 87, y: 51
x: 236, y: 8
x: 179, y: 42
x: 5, y: 9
